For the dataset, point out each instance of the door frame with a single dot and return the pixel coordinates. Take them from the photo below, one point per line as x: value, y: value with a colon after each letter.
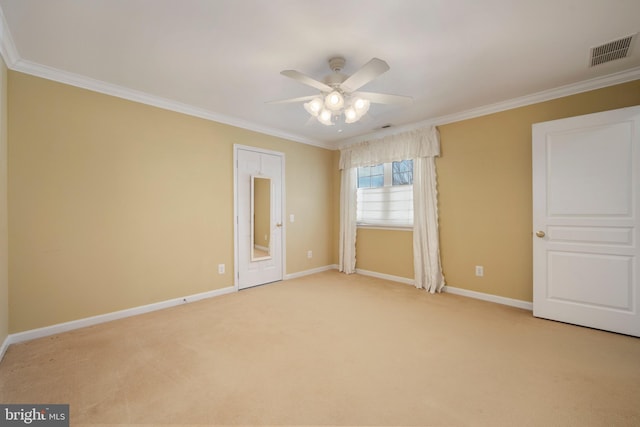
x: 283, y: 258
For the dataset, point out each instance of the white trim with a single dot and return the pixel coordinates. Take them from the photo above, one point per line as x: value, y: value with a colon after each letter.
x: 456, y: 291
x: 95, y: 85
x: 4, y: 347
x: 7, y: 46
x: 404, y: 280
x: 89, y: 321
x: 102, y: 318
x: 384, y: 227
x: 545, y: 95
x: 489, y: 297
x: 310, y: 272
x: 15, y: 62
x: 9, y: 54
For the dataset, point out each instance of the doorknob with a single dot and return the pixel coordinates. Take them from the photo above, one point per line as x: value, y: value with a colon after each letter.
x: 279, y: 224
x: 540, y: 233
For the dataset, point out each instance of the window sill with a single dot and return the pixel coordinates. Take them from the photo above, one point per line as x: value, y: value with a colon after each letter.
x: 385, y: 227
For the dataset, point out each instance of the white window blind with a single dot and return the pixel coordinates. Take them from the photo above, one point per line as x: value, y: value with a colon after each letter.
x: 390, y: 206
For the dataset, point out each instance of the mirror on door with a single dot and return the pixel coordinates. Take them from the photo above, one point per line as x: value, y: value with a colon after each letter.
x: 260, y: 218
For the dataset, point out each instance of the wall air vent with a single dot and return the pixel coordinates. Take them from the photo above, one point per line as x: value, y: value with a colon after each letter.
x: 611, y: 51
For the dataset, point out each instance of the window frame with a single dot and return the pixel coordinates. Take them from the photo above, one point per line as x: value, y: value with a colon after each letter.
x: 388, y: 183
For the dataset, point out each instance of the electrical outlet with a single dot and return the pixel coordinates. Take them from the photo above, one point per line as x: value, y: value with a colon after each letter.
x: 479, y: 270
x: 220, y: 268
x: 309, y: 254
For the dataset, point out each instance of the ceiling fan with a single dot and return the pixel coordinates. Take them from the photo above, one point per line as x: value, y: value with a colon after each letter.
x: 338, y: 92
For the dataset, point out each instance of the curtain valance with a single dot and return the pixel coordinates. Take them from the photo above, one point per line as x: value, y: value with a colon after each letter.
x: 402, y: 146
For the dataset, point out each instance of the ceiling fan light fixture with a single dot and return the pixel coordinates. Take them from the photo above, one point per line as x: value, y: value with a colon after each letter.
x: 361, y: 106
x: 325, y: 117
x: 334, y: 101
x: 314, y: 106
x: 350, y: 115
x: 357, y: 108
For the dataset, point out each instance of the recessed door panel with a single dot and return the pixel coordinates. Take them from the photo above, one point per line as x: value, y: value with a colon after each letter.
x: 596, y: 280
x: 589, y: 171
x: 620, y: 236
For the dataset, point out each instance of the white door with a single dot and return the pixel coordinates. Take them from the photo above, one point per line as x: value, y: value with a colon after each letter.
x: 259, y: 178
x: 586, y: 203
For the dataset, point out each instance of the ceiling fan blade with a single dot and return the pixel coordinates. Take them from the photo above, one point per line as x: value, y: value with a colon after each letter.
x: 304, y: 79
x: 364, y: 75
x: 385, y: 98
x: 289, y: 100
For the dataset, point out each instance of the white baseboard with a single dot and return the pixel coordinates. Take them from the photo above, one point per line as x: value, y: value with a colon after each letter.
x: 94, y: 320
x: 102, y: 318
x: 457, y: 291
x: 4, y: 347
x: 488, y: 297
x: 309, y: 272
x: 404, y: 280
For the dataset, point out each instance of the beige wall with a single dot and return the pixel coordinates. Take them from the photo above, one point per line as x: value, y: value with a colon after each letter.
x: 4, y: 247
x: 115, y: 204
x: 484, y: 185
x: 385, y: 251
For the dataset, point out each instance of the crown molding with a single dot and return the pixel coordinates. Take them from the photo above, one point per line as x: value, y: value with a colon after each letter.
x: 545, y: 95
x: 94, y: 85
x: 16, y: 63
x: 535, y: 98
x: 7, y: 47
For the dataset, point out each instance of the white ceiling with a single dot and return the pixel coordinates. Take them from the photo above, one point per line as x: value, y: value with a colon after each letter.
x: 221, y: 59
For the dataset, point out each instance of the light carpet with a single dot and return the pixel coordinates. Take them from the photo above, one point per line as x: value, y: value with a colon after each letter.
x: 332, y: 349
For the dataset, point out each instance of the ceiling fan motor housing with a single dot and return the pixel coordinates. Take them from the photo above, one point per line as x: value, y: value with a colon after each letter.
x: 336, y: 64
x: 336, y: 78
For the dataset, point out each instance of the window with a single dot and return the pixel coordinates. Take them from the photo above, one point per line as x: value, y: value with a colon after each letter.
x: 402, y: 172
x: 385, y: 194
x: 371, y: 176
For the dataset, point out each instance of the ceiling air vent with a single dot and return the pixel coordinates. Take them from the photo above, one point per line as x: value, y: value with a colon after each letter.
x: 611, y: 51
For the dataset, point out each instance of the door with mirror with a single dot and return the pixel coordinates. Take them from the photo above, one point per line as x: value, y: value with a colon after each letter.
x: 259, y: 232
